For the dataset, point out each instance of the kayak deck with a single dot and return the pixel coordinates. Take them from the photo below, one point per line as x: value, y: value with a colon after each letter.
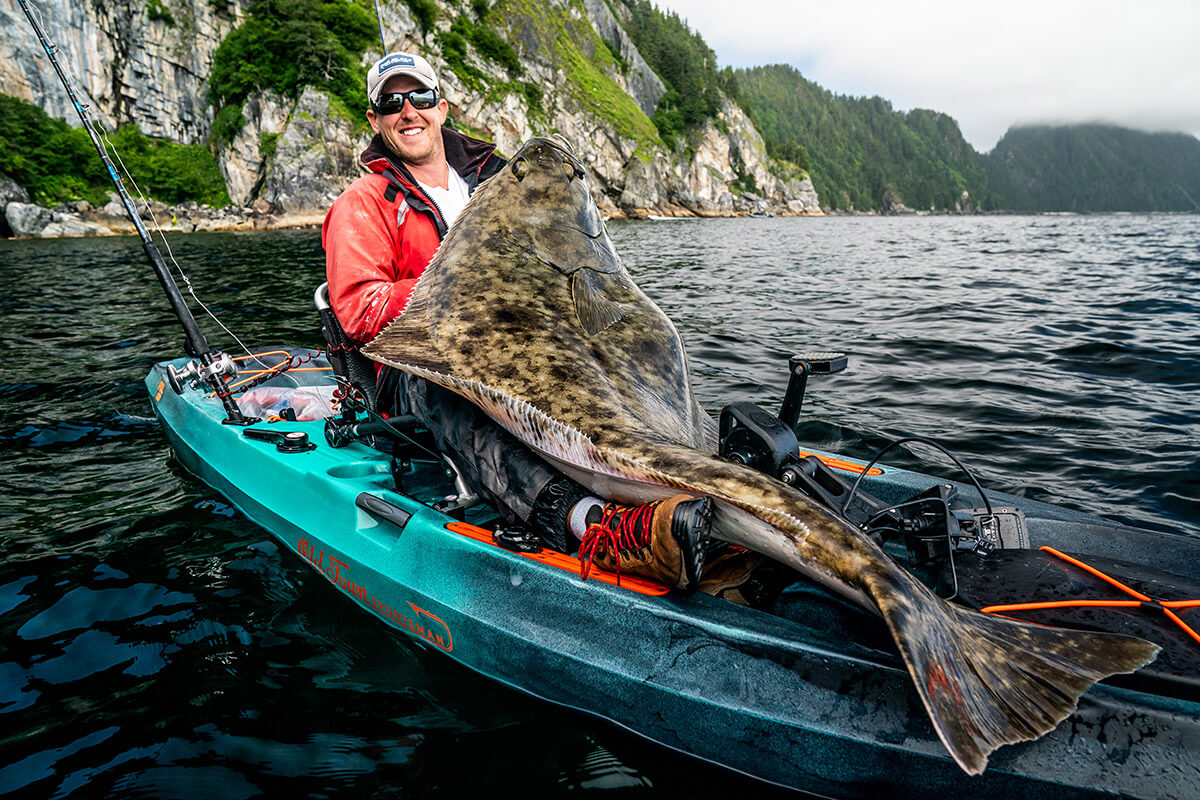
x: 812, y: 696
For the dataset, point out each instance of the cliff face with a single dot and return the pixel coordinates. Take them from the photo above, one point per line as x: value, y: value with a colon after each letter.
x: 146, y: 62
x: 132, y: 68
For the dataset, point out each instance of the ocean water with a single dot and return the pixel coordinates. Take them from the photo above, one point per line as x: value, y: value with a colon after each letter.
x: 153, y: 643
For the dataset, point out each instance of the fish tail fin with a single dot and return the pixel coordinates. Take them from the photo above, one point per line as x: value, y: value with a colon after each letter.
x: 989, y: 681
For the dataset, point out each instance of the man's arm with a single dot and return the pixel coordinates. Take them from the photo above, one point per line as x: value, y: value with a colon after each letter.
x: 369, y: 279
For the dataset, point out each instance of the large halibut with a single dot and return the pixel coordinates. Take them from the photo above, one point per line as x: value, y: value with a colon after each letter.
x: 527, y: 311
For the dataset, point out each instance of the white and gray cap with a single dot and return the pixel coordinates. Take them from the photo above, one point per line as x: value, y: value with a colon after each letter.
x: 399, y: 64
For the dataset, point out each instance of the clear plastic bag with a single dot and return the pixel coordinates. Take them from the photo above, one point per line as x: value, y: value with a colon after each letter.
x: 308, y: 402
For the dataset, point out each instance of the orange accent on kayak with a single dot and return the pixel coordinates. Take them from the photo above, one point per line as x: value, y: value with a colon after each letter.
x: 837, y: 463
x: 563, y: 561
x: 263, y: 354
x: 254, y: 373
x: 1142, y: 601
x: 293, y: 369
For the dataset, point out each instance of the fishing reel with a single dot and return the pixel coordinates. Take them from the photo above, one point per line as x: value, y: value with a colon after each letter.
x: 194, y: 372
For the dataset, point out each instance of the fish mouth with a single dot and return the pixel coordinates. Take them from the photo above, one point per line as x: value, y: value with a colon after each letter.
x: 542, y: 149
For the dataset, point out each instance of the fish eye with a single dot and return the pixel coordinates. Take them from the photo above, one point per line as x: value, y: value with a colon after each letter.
x: 520, y: 167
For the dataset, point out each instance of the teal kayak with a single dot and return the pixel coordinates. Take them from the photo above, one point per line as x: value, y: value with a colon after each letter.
x: 805, y: 692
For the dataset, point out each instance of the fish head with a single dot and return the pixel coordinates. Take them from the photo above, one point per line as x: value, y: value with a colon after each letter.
x: 544, y: 194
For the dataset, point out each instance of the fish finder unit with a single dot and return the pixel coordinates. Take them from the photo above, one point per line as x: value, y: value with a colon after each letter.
x: 931, y: 524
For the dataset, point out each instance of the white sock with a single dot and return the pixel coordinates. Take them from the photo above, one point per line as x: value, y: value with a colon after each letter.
x: 577, y: 519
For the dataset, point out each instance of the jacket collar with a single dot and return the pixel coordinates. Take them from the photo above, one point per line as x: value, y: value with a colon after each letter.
x: 465, y: 155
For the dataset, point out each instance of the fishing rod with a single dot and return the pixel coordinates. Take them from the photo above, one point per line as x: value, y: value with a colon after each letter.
x: 379, y: 19
x: 214, y: 368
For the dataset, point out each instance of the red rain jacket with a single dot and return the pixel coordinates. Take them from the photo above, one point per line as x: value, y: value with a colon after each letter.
x: 380, y: 234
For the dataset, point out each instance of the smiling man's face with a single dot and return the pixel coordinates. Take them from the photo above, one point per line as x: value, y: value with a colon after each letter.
x: 413, y: 134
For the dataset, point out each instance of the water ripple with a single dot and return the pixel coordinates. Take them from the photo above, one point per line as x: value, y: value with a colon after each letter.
x: 157, y: 644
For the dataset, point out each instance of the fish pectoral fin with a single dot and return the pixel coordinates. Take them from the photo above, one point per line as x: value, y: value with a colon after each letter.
x: 596, y: 311
x: 405, y: 342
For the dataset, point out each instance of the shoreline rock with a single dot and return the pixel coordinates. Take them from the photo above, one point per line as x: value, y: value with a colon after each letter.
x: 80, y: 219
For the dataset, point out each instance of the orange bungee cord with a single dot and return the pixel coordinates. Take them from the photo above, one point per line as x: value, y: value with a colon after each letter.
x: 1166, y: 607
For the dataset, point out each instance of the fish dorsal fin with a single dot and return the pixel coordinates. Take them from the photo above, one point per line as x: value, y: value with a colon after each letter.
x: 408, y: 343
x: 596, y: 311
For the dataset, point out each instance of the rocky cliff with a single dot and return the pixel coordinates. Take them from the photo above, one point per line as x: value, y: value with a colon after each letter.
x: 145, y: 61
x: 136, y: 61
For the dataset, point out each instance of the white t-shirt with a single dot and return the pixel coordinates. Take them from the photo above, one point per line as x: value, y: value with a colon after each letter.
x: 450, y: 200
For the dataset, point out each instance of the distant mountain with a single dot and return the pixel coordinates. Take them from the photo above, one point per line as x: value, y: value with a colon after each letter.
x: 1095, y: 168
x: 863, y: 154
x: 860, y: 152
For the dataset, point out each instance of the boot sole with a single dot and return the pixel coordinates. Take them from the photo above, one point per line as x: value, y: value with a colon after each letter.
x: 691, y: 526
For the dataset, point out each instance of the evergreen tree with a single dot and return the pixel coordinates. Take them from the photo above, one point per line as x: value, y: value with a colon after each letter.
x: 1096, y: 168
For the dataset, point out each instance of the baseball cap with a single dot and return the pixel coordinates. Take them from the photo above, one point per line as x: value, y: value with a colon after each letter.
x: 399, y: 64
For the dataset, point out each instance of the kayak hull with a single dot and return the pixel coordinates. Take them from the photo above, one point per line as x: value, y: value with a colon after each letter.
x: 817, y: 700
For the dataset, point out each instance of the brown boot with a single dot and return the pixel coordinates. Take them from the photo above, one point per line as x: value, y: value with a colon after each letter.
x: 665, y: 540
x: 726, y: 574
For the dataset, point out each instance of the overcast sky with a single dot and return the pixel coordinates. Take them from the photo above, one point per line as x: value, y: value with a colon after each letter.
x: 989, y: 65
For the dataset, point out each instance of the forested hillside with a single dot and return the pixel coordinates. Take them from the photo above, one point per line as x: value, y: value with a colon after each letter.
x: 683, y: 61
x: 862, y: 153
x: 1095, y: 168
x: 56, y: 163
x: 259, y: 104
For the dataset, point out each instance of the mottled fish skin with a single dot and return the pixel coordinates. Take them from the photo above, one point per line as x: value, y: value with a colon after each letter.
x: 527, y: 311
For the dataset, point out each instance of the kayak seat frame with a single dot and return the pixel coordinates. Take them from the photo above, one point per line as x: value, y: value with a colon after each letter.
x: 351, y: 367
x: 401, y: 436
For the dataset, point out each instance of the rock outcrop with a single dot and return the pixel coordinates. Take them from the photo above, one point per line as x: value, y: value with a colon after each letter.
x: 26, y: 219
x: 146, y: 63
x: 242, y: 161
x: 314, y: 158
x: 638, y: 79
x: 133, y: 61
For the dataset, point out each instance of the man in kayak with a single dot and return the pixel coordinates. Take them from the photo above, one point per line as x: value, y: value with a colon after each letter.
x: 379, y: 236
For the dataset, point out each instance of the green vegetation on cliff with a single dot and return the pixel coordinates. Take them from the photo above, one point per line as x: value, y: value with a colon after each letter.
x: 1095, y: 168
x: 860, y: 152
x: 56, y: 163
x: 566, y: 39
x: 283, y: 46
x: 684, y: 62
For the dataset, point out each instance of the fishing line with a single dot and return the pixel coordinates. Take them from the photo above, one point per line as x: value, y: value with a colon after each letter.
x: 187, y: 281
x: 100, y: 138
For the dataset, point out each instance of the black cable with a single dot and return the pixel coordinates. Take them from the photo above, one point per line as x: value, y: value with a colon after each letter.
x: 923, y: 440
x: 949, y: 539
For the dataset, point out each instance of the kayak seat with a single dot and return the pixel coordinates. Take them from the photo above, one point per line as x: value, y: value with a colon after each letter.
x: 401, y: 435
x: 349, y: 365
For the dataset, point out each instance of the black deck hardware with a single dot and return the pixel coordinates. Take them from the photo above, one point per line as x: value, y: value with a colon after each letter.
x: 518, y: 541
x: 284, y: 441
x: 383, y: 509
x: 799, y: 368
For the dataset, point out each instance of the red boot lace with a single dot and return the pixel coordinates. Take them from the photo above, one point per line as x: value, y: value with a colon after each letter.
x: 632, y: 532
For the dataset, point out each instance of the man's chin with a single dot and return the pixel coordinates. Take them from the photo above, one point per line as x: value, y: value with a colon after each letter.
x: 414, y: 149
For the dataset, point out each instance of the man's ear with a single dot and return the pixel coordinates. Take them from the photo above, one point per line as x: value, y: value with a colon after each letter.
x: 373, y: 119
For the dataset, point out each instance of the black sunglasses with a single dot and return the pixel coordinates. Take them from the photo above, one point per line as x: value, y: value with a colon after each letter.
x: 392, y: 102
